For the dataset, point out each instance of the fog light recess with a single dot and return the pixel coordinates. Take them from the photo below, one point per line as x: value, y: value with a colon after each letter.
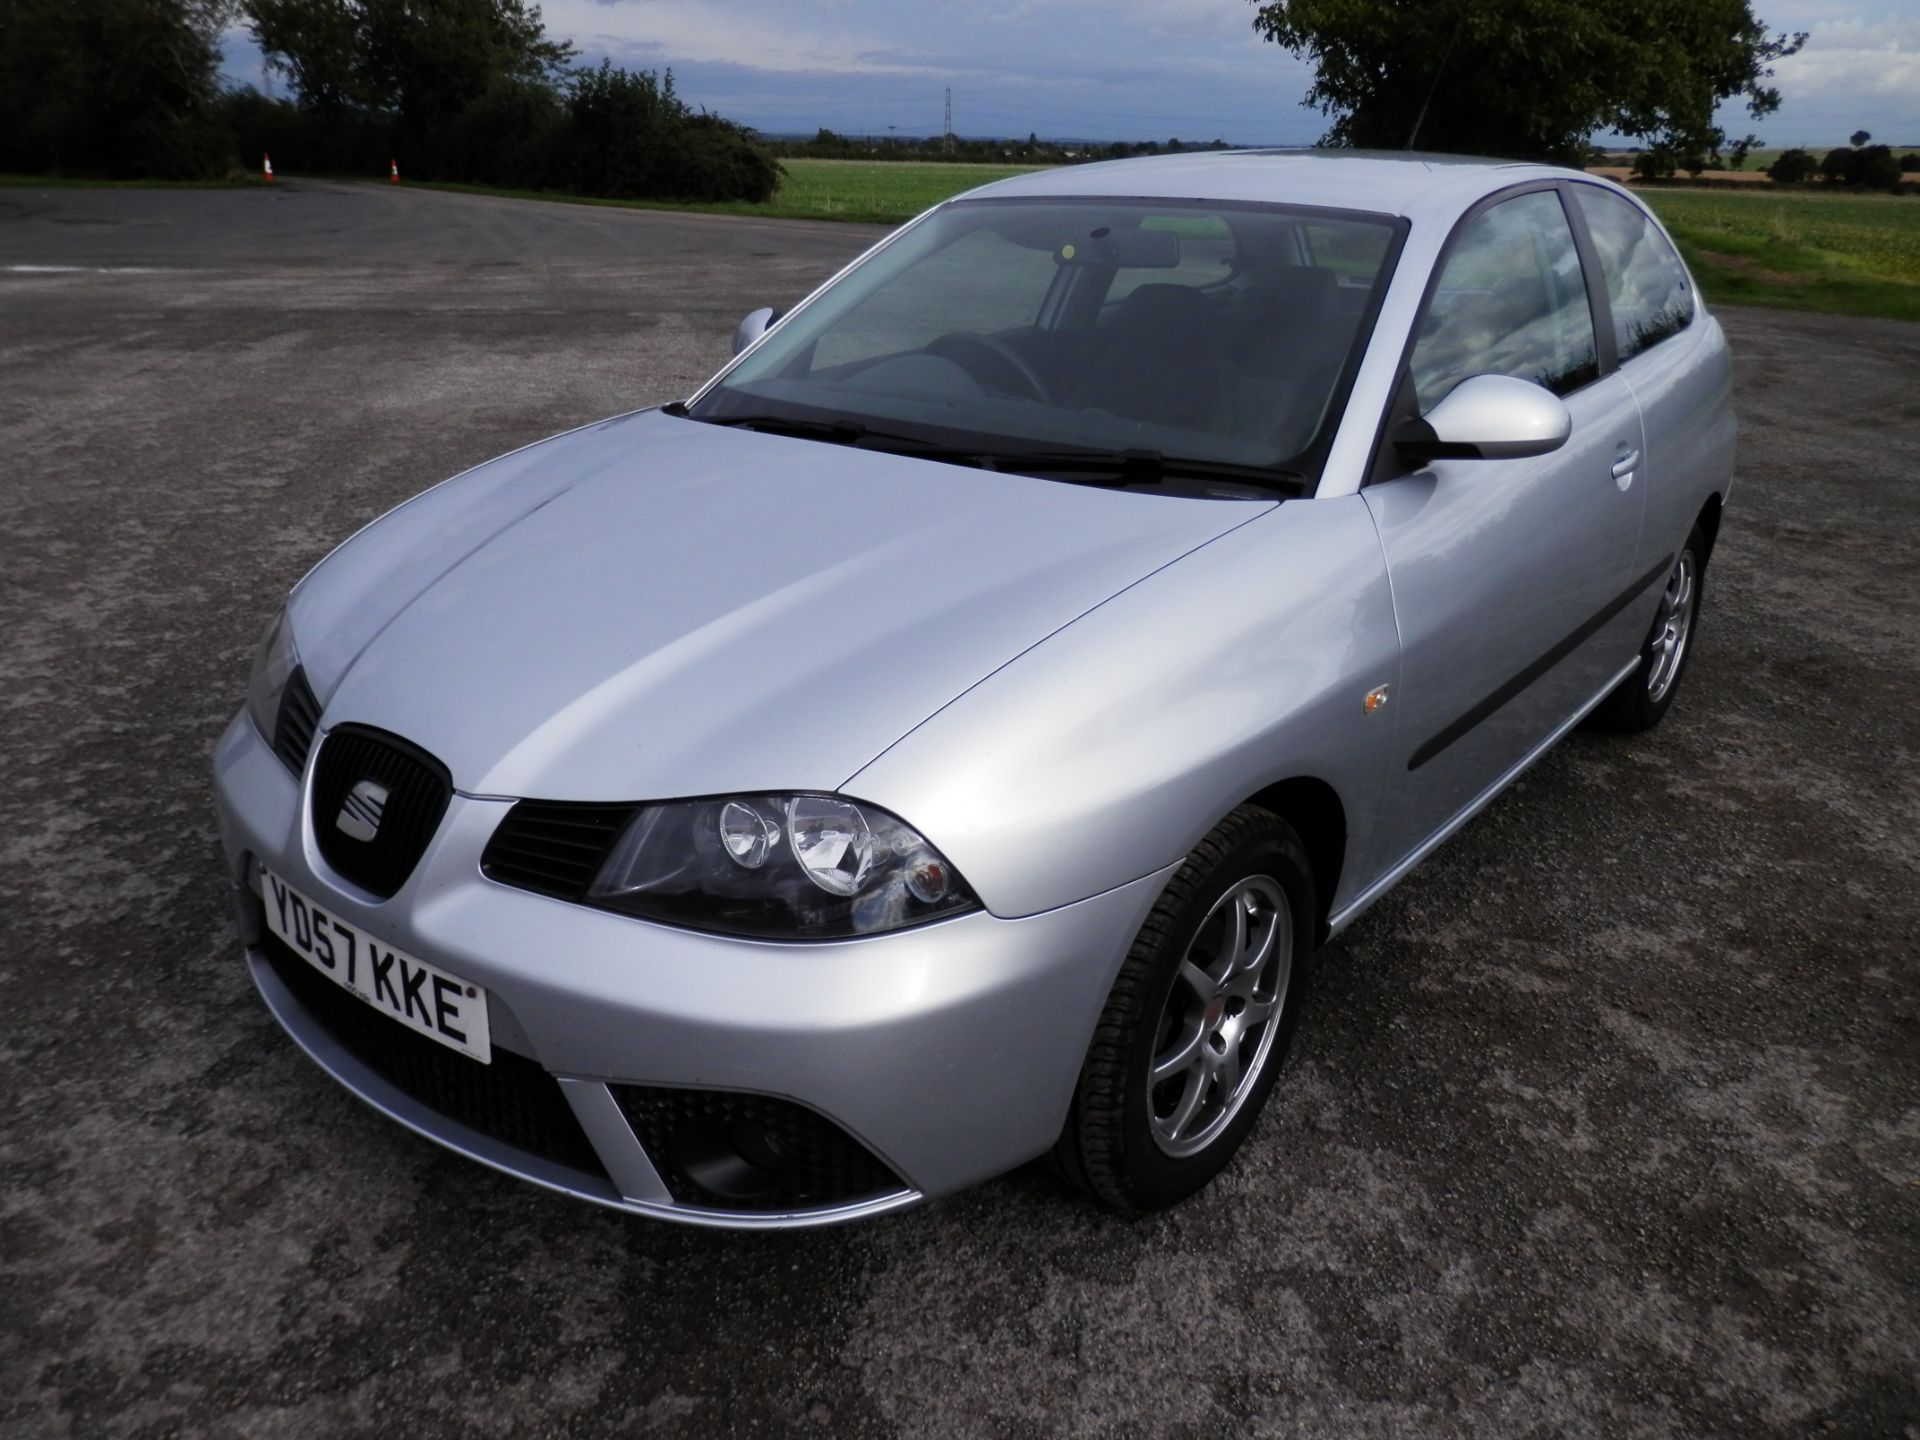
x: 724, y: 1150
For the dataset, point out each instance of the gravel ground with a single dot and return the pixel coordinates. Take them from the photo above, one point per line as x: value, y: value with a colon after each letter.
x: 1606, y: 1122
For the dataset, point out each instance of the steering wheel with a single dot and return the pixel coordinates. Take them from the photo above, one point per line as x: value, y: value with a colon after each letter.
x: 992, y: 364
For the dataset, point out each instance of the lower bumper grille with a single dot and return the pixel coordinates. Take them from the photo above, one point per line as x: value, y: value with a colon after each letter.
x: 513, y: 1100
x: 718, y: 1149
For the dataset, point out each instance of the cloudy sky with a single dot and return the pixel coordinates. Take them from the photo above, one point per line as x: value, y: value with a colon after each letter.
x: 1113, y: 69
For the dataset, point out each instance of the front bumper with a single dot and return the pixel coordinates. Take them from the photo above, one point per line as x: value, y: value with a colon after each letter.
x: 950, y: 1051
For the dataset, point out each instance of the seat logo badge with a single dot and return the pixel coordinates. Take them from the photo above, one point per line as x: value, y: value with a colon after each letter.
x: 1376, y: 697
x: 360, y: 815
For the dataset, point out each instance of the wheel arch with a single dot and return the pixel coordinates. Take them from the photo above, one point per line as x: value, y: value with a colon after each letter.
x: 1709, y: 523
x: 1315, y: 811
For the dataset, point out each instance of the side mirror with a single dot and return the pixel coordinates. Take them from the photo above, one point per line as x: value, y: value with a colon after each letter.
x: 1489, y: 417
x: 757, y: 323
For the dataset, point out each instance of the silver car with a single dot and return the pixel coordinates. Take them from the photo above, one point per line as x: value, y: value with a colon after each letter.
x: 942, y: 740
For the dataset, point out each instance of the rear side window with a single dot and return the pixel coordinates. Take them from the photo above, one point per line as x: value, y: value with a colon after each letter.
x: 1645, y: 280
x: 1510, y: 301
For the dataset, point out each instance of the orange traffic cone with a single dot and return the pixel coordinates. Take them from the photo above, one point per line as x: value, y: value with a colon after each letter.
x: 394, y: 179
x: 266, y: 167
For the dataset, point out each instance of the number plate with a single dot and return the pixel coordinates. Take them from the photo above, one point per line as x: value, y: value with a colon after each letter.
x: 422, y: 997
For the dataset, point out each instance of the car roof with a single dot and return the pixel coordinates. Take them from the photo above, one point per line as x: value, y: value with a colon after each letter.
x: 1385, y: 182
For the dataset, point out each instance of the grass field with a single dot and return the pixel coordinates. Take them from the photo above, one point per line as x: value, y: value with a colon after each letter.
x: 1800, y: 250
x: 877, y: 190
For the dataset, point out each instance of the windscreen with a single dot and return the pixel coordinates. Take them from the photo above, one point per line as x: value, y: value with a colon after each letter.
x: 1215, y: 332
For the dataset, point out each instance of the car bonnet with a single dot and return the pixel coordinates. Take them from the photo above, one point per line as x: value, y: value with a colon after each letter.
x: 656, y: 607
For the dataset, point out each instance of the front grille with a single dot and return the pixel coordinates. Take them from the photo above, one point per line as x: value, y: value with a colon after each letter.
x: 417, y: 788
x: 719, y: 1149
x: 511, y: 1100
x: 553, y: 847
x: 293, y: 727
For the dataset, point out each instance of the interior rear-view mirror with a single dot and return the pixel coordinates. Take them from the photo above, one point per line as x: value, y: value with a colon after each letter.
x: 1123, y: 249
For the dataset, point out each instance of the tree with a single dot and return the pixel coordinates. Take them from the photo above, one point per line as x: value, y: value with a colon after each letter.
x: 1871, y: 166
x: 1793, y: 167
x: 633, y: 136
x: 1528, y: 78
x: 318, y: 46
x: 1659, y: 163
x: 1858, y: 138
x: 442, y: 84
x: 113, y: 87
x: 475, y: 90
x: 1876, y: 165
x: 422, y: 63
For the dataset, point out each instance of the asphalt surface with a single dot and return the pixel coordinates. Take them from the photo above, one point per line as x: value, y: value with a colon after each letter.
x: 1606, y: 1122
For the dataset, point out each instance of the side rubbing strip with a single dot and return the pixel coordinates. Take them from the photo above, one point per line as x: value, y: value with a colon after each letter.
x: 1538, y: 668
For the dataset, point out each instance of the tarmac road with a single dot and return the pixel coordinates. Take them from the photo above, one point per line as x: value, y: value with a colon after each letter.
x: 1606, y: 1122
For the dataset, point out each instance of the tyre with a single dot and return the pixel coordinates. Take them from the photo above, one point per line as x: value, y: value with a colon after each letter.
x: 1639, y: 701
x: 1198, y: 1022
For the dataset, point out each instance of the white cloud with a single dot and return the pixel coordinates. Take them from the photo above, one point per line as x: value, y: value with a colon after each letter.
x: 759, y: 36
x: 1860, y: 68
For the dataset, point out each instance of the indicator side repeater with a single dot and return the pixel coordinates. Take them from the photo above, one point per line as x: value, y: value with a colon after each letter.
x: 1376, y: 698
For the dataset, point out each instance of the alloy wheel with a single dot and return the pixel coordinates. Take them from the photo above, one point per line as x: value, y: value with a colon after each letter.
x: 1672, y: 627
x: 1221, y: 1016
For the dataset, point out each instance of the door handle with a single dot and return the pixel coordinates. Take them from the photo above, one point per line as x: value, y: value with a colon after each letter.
x: 1626, y: 463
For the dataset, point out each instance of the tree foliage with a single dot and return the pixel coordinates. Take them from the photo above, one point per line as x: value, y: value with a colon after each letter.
x: 1529, y: 78
x: 475, y: 90
x: 112, y: 87
x: 825, y: 144
x: 421, y: 60
x: 632, y: 135
x: 1867, y: 166
x: 472, y: 90
x: 1793, y: 167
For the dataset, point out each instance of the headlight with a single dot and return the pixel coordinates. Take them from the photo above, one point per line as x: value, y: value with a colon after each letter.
x: 791, y: 867
x: 272, y: 664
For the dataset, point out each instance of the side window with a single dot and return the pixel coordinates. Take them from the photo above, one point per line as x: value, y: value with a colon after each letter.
x: 984, y: 283
x: 1511, y: 301
x: 1352, y: 252
x: 1645, y: 280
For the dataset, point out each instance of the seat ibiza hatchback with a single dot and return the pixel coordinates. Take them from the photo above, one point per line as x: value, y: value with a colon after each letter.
x: 941, y: 741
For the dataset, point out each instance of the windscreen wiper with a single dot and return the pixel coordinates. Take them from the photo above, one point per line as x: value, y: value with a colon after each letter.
x: 1141, y: 467
x: 1121, y: 467
x: 834, y: 432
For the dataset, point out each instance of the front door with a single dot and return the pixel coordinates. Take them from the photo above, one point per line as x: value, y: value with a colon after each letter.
x: 1504, y: 571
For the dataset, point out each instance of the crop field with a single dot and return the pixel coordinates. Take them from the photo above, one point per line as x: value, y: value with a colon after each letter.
x: 1760, y: 159
x: 881, y: 192
x: 876, y: 190
x: 1801, y: 250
